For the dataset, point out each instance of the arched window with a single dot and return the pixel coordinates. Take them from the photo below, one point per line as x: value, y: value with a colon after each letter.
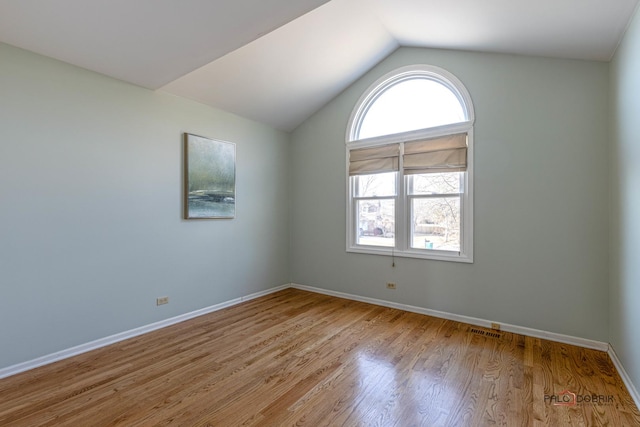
x: 410, y: 167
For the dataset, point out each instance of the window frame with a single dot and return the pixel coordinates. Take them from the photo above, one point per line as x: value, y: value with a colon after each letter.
x: 403, y: 222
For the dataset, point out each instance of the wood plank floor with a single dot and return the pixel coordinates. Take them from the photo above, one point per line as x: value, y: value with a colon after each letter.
x: 304, y: 359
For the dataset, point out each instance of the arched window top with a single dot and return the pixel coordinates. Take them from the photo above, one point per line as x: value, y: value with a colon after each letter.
x: 410, y: 100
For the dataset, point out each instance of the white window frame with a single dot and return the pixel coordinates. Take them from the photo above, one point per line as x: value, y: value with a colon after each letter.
x: 402, y: 199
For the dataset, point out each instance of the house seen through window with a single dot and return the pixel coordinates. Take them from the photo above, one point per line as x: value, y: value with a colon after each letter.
x: 410, y: 164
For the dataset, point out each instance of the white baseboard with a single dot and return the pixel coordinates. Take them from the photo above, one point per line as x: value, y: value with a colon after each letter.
x: 551, y: 336
x: 625, y: 377
x: 103, y: 342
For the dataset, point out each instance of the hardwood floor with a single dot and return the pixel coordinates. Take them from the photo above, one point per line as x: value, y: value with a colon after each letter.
x: 304, y: 359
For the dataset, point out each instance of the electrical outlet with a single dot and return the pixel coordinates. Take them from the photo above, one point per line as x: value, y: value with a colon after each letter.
x: 391, y: 285
x: 162, y: 300
x: 495, y: 326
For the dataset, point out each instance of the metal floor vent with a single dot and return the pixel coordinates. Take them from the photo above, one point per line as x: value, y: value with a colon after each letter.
x: 485, y: 333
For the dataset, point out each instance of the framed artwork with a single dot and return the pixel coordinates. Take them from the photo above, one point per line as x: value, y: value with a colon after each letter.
x: 210, y: 178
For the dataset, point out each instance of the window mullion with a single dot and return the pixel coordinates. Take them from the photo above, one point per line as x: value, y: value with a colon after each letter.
x: 402, y: 234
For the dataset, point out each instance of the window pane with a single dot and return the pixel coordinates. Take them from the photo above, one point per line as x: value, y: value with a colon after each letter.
x: 376, y: 222
x: 436, y: 223
x: 412, y: 104
x: 375, y: 185
x: 435, y: 183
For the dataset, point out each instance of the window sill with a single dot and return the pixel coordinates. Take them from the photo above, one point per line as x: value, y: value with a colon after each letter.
x: 431, y: 255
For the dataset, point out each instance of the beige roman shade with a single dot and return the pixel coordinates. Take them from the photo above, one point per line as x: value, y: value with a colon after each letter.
x: 384, y: 158
x: 443, y: 154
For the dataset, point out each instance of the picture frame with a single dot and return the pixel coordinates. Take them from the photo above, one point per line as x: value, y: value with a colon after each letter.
x: 209, y: 178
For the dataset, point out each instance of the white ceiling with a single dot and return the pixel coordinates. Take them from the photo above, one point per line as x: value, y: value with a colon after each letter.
x: 287, y: 75
x: 146, y: 42
x: 271, y: 61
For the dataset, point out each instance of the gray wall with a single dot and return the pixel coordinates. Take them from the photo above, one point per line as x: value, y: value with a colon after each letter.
x: 90, y: 216
x: 541, y: 211
x: 625, y: 190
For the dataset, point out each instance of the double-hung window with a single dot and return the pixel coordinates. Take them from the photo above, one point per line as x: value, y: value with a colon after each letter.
x: 410, y: 167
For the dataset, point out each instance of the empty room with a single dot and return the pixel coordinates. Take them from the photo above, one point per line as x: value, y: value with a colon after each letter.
x: 320, y: 212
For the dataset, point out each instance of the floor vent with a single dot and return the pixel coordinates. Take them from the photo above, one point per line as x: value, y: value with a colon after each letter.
x: 485, y: 333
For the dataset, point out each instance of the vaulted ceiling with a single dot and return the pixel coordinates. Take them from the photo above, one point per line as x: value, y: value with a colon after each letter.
x: 279, y: 61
